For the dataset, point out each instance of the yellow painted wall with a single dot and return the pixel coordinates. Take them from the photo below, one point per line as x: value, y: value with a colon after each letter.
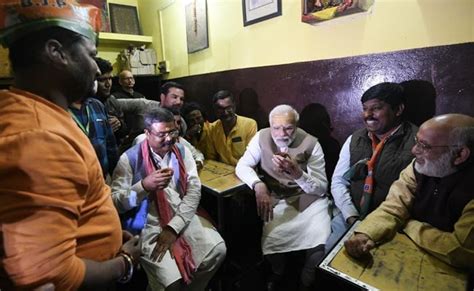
x: 392, y: 25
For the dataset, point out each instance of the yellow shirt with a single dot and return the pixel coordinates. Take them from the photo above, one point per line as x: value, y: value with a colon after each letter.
x: 55, y: 207
x: 229, y: 149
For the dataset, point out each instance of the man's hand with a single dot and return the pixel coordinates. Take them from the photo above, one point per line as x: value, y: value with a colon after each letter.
x: 285, y: 164
x: 164, y: 242
x: 114, y: 123
x: 352, y: 219
x: 132, y: 245
x: 264, y: 202
x: 157, y: 180
x: 359, y: 245
x: 194, y: 131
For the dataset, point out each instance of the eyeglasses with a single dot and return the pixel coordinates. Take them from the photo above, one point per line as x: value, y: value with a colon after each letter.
x: 426, y: 147
x: 163, y: 134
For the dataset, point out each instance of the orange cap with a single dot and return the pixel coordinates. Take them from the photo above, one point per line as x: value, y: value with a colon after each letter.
x: 21, y: 17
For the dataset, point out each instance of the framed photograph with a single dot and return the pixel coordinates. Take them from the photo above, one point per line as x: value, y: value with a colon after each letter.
x: 124, y: 19
x: 196, y: 25
x: 258, y: 10
x: 317, y: 11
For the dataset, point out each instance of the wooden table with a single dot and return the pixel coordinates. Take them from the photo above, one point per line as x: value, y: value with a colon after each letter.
x: 219, y: 180
x: 395, y: 265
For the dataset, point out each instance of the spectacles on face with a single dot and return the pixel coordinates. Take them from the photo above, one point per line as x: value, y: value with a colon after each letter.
x: 426, y: 147
x: 163, y: 134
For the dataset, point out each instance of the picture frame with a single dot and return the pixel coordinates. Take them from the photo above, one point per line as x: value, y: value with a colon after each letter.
x: 196, y: 25
x: 259, y: 10
x: 124, y: 19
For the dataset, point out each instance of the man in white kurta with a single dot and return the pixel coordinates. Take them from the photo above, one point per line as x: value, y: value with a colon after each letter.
x: 291, y: 196
x: 133, y: 187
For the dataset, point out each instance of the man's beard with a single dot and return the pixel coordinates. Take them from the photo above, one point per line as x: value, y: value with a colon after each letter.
x: 439, y: 168
x: 284, y: 142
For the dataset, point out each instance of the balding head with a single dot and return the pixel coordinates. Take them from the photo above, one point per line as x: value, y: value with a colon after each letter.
x: 444, y: 144
x: 126, y: 80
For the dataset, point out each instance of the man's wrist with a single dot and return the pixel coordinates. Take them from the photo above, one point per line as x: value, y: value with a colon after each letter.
x: 254, y: 184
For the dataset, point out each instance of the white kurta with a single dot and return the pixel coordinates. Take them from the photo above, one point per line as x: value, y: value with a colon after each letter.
x: 199, y: 233
x: 292, y: 229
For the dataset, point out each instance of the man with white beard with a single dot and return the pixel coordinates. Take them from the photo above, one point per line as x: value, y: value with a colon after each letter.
x: 433, y: 200
x: 291, y: 196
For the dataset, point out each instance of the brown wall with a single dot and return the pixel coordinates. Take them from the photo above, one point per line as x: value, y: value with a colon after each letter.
x: 440, y: 80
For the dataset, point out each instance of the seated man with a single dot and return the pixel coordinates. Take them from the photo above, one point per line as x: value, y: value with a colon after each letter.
x: 157, y: 190
x: 197, y: 155
x: 127, y: 82
x: 231, y: 133
x: 372, y: 157
x: 291, y: 198
x: 432, y: 201
x: 198, y: 128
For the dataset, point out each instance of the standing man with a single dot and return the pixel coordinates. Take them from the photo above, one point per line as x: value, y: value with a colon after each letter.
x: 112, y: 106
x: 58, y: 225
x: 157, y: 189
x: 127, y: 82
x: 372, y: 157
x: 433, y: 200
x: 89, y: 114
x: 231, y: 133
x: 172, y: 95
x: 291, y: 197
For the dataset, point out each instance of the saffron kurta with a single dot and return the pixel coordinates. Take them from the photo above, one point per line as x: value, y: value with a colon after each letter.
x: 55, y: 207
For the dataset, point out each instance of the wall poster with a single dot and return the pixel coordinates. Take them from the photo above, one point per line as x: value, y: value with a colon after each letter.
x: 196, y: 25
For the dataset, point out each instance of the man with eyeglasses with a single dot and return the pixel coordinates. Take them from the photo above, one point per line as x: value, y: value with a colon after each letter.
x: 156, y: 189
x: 127, y: 82
x: 230, y: 134
x: 433, y: 200
x: 291, y: 196
x: 371, y: 158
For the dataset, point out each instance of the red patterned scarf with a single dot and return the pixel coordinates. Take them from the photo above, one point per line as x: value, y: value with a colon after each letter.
x: 181, y: 249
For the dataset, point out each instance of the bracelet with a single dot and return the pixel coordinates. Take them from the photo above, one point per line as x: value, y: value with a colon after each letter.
x: 128, y: 268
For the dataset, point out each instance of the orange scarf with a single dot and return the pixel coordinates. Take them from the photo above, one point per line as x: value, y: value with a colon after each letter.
x: 369, y: 182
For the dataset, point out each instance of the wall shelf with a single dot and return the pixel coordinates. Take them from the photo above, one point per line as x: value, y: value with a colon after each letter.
x: 119, y: 38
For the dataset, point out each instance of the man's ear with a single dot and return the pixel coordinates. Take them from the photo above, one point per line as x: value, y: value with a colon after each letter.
x: 55, y: 53
x: 400, y: 110
x: 462, y: 155
x: 162, y: 97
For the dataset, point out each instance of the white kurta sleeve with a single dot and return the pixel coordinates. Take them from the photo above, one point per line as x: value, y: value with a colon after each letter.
x: 340, y: 186
x: 188, y: 206
x: 245, y: 168
x: 314, y: 181
x: 125, y: 195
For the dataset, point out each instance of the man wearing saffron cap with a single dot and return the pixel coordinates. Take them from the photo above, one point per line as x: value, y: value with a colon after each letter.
x: 58, y: 226
x: 157, y: 190
x: 372, y: 157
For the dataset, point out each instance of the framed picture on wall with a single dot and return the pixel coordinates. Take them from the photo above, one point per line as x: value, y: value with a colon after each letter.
x: 196, y: 25
x: 316, y: 11
x: 124, y: 19
x: 258, y: 10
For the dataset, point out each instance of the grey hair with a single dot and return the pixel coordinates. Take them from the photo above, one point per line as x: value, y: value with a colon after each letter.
x: 464, y: 136
x: 282, y: 109
x: 157, y: 115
